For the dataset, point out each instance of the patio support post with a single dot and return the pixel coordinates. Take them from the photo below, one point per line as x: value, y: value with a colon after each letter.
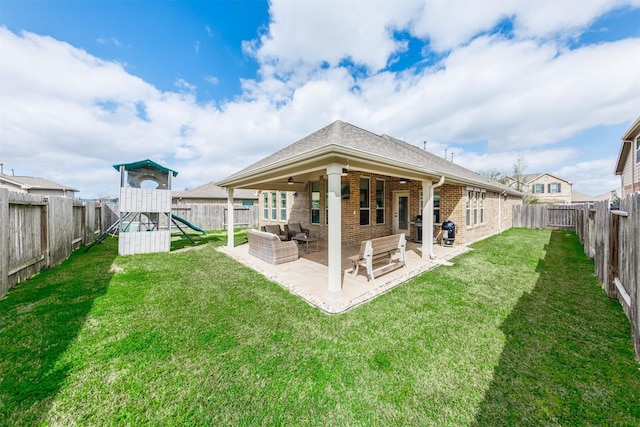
x: 427, y: 219
x: 230, y: 219
x: 334, y: 231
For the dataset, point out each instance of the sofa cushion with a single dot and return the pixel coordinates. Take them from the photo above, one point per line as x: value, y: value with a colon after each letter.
x: 273, y: 229
x: 295, y: 227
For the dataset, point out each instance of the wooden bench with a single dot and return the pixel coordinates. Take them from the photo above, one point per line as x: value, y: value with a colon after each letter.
x: 374, y: 250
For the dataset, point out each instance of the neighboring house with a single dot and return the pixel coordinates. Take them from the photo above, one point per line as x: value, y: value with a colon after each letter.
x: 578, y: 197
x: 609, y: 195
x: 544, y: 188
x: 628, y: 164
x: 351, y: 185
x: 35, y: 185
x: 211, y: 193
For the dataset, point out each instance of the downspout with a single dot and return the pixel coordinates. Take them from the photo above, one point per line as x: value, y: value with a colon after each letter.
x: 500, y: 196
x: 439, y: 184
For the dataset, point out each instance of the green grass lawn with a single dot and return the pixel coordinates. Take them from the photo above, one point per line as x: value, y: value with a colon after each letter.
x: 517, y: 332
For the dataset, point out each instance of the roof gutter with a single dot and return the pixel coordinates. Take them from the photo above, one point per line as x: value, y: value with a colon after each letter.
x: 439, y: 184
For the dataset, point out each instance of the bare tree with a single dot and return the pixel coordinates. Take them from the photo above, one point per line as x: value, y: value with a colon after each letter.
x: 493, y: 174
x: 519, y: 168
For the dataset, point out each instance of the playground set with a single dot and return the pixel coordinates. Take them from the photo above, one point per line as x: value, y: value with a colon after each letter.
x: 145, y: 220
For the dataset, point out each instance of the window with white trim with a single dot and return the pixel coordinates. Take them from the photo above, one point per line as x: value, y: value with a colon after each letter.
x: 476, y: 196
x: 537, y: 188
x: 274, y: 206
x: 283, y: 206
x: 265, y: 207
x: 379, y: 201
x: 475, y: 207
x: 554, y: 187
x: 315, y: 202
x: 468, y: 206
x: 365, y: 205
x: 638, y: 149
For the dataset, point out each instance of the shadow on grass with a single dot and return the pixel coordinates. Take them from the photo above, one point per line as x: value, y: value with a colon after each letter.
x: 39, y: 320
x: 568, y: 357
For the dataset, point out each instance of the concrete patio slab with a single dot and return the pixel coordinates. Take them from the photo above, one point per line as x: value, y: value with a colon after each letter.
x: 307, y: 277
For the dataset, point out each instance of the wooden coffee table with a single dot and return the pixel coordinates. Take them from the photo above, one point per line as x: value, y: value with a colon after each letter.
x: 306, y: 239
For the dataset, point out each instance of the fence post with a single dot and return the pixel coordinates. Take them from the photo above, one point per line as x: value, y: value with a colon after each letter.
x: 634, y: 221
x: 613, y: 256
x: 4, y: 242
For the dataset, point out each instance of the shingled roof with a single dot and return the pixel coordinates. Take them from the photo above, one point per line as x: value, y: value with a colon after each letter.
x: 351, y: 142
x: 212, y: 191
x: 34, y: 182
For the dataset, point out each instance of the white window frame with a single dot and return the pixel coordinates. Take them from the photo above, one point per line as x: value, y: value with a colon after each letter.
x: 476, y: 196
x: 283, y: 206
x: 368, y: 207
x: 380, y: 208
x: 311, y: 208
x: 274, y: 206
x: 468, y: 207
x: 265, y: 208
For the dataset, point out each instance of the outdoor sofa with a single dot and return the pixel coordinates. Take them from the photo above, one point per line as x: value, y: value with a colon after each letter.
x: 268, y: 247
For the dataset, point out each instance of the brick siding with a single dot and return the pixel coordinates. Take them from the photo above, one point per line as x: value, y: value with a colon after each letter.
x: 452, y: 208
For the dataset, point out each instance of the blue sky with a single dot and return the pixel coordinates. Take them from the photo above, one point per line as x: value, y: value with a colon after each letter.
x: 208, y: 87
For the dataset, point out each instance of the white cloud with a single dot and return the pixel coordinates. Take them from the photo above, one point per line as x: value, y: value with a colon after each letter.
x: 592, y: 177
x: 211, y: 79
x: 318, y: 32
x: 107, y: 40
x: 449, y: 24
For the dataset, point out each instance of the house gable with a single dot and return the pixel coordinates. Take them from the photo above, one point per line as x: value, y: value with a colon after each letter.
x: 628, y: 162
x: 549, y: 188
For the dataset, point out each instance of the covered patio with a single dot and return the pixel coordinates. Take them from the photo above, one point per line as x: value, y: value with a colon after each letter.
x: 307, y: 277
x: 351, y: 185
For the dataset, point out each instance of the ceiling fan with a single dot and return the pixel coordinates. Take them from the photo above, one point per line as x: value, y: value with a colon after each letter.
x: 291, y: 181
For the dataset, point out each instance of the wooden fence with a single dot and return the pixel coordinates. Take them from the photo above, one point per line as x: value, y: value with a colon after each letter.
x: 610, y: 237
x: 555, y: 217
x: 38, y: 232
x: 211, y: 216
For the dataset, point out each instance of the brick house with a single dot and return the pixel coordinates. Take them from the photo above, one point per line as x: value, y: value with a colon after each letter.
x: 371, y: 186
x: 628, y: 163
